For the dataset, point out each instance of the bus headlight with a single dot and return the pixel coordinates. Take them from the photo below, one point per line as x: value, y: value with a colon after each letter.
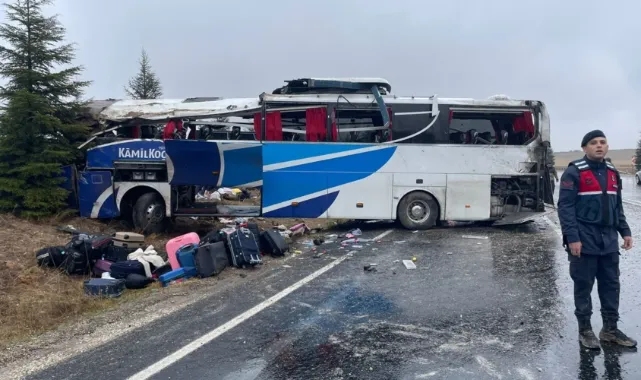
x: 150, y: 176
x: 138, y: 176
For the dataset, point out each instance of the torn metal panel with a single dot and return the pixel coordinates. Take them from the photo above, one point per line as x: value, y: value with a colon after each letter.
x: 165, y: 109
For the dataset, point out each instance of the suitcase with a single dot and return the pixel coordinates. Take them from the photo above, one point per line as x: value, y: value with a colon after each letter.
x: 104, y: 287
x: 253, y: 227
x: 115, y: 254
x: 129, y: 240
x: 211, y: 259
x: 212, y: 237
x: 243, y: 249
x: 174, y: 244
x: 175, y: 275
x: 274, y: 243
x: 101, y: 266
x: 185, y: 256
x: 122, y: 269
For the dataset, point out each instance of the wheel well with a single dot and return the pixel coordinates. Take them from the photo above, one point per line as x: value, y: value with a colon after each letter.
x: 131, y: 196
x: 438, y: 205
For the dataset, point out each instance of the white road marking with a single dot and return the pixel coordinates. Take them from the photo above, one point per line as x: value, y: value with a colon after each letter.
x: 215, y: 333
x: 379, y: 237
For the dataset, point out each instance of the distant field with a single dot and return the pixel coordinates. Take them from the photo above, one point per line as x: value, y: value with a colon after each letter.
x: 621, y: 158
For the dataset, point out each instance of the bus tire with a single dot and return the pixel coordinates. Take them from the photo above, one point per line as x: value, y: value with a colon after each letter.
x: 418, y: 211
x: 149, y: 214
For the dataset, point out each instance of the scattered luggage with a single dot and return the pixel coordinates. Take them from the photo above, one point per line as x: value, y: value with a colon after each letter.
x: 186, y: 259
x: 119, y: 262
x: 211, y: 259
x: 174, y: 275
x: 122, y: 269
x: 104, y: 287
x: 243, y: 248
x: 53, y: 257
x: 128, y: 240
x: 77, y: 263
x: 274, y: 243
x: 101, y: 266
x: 115, y: 254
x: 137, y: 281
x: 174, y: 244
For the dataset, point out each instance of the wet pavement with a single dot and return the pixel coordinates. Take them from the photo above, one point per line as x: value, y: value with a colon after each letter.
x: 482, y: 303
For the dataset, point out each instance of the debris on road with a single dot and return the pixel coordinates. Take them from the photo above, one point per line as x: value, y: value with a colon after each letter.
x: 370, y: 267
x: 409, y: 264
x: 481, y: 237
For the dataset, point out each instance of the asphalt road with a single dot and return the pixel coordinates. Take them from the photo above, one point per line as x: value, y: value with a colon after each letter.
x: 482, y: 303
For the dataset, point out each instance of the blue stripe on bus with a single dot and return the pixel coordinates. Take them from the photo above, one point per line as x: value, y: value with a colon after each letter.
x: 310, y: 208
x: 297, y: 181
x: 275, y: 153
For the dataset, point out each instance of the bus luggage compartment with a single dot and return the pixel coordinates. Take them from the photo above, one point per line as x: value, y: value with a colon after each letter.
x: 214, y: 163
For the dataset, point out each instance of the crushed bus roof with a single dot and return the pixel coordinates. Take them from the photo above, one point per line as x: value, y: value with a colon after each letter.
x: 164, y: 109
x: 160, y: 110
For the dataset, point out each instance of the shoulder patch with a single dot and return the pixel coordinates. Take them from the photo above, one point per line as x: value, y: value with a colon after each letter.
x: 567, y: 185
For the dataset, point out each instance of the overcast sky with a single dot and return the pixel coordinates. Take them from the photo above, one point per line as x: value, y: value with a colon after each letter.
x: 580, y: 57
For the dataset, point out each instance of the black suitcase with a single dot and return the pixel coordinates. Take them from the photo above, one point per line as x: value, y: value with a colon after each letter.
x: 104, y: 287
x: 243, y: 249
x: 211, y: 259
x: 253, y: 227
x: 274, y: 243
x: 116, y: 254
x: 211, y: 237
x: 121, y: 269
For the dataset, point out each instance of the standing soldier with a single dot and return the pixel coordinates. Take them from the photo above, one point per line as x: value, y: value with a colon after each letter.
x: 591, y: 214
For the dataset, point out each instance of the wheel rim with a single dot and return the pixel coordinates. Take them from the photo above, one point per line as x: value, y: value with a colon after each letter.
x: 155, y: 213
x: 418, y: 211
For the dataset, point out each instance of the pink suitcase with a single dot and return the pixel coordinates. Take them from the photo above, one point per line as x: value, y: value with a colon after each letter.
x: 174, y: 245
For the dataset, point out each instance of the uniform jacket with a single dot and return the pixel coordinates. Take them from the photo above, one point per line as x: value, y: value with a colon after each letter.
x: 590, y: 207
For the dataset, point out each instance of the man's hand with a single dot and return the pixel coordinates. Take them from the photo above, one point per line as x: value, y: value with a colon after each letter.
x: 575, y: 248
x: 627, y: 242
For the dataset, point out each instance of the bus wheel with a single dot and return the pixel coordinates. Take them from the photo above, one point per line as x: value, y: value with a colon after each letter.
x: 638, y: 180
x: 149, y: 214
x: 418, y: 211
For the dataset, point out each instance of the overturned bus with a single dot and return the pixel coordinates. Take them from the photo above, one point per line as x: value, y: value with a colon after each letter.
x: 320, y: 148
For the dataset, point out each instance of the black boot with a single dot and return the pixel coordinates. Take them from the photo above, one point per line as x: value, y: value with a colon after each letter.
x: 586, y: 335
x: 611, y: 334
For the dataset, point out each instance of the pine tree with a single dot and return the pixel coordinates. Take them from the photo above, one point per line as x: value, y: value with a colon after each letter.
x: 145, y: 85
x: 38, y: 129
x: 637, y: 156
